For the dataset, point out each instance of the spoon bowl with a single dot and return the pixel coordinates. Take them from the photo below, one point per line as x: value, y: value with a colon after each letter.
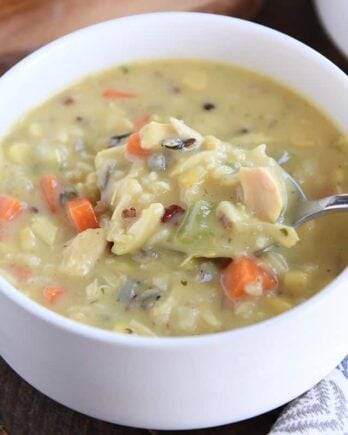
x: 302, y: 209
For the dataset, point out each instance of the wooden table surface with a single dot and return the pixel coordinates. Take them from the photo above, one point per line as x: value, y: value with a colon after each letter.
x: 25, y: 411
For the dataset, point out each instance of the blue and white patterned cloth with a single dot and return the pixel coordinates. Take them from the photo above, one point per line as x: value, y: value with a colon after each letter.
x: 322, y: 410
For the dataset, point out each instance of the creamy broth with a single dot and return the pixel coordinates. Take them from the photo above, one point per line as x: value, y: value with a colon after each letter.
x: 162, y: 288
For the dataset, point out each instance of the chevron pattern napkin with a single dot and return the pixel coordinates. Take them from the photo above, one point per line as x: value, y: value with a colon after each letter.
x: 322, y: 410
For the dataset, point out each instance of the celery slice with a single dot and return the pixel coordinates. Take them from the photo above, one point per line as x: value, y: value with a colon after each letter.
x: 198, y: 224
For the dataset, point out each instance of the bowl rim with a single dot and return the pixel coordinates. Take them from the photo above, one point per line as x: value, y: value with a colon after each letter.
x: 94, y: 333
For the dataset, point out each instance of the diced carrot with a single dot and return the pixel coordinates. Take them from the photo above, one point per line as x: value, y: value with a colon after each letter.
x: 81, y: 213
x: 140, y: 122
x: 20, y: 271
x: 237, y: 275
x: 134, y: 146
x: 117, y: 93
x: 245, y: 271
x: 9, y: 208
x: 53, y: 294
x: 50, y: 188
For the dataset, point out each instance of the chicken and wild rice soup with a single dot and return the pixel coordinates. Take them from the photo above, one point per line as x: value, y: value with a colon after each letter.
x: 140, y: 199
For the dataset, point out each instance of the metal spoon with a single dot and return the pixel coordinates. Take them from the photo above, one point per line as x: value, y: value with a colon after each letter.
x: 303, y: 210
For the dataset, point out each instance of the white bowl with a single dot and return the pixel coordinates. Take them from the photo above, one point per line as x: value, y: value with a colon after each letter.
x: 174, y: 383
x: 334, y: 16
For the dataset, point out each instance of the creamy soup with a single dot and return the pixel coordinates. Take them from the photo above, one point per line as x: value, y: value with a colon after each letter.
x: 141, y: 200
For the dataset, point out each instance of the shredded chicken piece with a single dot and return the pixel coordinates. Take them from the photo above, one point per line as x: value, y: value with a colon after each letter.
x: 262, y: 193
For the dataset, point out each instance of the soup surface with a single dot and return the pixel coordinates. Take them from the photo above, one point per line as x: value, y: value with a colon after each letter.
x: 140, y: 199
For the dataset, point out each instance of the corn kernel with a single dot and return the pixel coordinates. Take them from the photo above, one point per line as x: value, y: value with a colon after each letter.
x: 197, y: 80
x: 295, y: 281
x: 279, y: 304
x: 27, y: 239
x: 211, y: 143
x: 19, y: 152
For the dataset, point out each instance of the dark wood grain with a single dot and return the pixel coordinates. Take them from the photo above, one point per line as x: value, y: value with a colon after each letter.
x: 298, y: 19
x: 25, y: 411
x: 28, y: 24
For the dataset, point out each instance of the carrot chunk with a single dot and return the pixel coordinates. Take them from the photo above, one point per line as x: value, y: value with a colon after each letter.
x: 134, y: 146
x: 81, y: 213
x: 245, y: 271
x: 9, y: 208
x: 117, y: 93
x: 49, y: 187
x: 53, y: 294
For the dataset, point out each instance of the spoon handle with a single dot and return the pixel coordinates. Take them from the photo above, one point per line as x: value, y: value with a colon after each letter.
x: 311, y: 209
